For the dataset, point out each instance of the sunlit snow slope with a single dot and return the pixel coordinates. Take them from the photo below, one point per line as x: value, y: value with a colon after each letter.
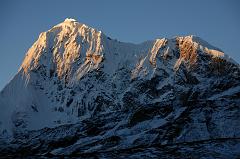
x: 161, y: 91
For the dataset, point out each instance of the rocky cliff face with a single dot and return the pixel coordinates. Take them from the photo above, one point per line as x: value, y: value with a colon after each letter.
x: 80, y: 93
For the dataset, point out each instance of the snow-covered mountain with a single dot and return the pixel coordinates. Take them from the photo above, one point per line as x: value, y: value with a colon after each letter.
x: 79, y: 92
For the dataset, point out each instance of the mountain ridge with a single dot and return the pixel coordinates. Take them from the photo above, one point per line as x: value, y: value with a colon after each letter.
x: 164, y: 91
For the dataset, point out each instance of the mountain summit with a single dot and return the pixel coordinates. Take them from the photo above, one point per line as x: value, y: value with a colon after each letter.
x: 79, y: 92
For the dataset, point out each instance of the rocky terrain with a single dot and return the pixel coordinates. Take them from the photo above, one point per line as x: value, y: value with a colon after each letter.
x: 79, y: 93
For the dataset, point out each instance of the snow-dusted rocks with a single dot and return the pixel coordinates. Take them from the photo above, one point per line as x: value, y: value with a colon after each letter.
x: 78, y: 92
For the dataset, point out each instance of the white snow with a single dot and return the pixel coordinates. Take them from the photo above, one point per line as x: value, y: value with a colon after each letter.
x: 70, y: 20
x: 73, y: 50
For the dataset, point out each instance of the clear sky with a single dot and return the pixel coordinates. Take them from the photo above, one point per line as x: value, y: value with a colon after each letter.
x: 216, y: 21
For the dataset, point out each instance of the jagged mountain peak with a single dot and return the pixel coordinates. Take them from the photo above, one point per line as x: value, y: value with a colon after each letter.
x: 96, y: 94
x: 70, y: 42
x: 63, y: 45
x: 197, y: 43
x: 74, y: 71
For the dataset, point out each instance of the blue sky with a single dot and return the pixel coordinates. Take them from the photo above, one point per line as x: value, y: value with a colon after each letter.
x: 216, y: 21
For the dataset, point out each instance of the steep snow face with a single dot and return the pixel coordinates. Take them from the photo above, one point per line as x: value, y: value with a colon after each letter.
x: 65, y: 48
x: 74, y: 72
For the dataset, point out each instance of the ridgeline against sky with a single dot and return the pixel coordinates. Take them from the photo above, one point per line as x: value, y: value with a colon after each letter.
x: 216, y: 21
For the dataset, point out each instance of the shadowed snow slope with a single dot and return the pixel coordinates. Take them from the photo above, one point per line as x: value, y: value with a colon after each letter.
x: 80, y: 92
